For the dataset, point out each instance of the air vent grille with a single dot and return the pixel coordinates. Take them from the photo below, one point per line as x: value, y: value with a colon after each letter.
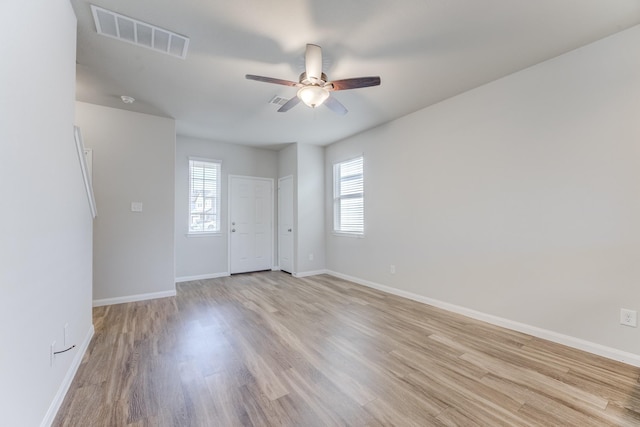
x: 114, y: 25
x: 278, y: 100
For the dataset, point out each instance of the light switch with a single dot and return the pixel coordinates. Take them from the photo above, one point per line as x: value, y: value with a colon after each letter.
x: 136, y: 206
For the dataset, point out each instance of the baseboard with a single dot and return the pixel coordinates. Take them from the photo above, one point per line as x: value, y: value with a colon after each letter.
x: 132, y: 298
x: 569, y: 341
x: 201, y: 277
x: 66, y: 382
x: 309, y: 273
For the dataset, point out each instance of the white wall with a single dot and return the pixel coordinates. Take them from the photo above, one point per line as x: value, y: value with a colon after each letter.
x: 288, y: 166
x: 310, y: 209
x: 306, y: 164
x: 45, y: 222
x: 518, y: 199
x: 133, y: 161
x: 202, y: 257
x: 288, y: 161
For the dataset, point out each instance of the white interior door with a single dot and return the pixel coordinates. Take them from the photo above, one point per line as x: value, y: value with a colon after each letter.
x: 251, y: 224
x: 285, y: 224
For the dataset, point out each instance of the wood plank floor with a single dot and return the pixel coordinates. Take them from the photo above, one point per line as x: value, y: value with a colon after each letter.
x: 267, y: 349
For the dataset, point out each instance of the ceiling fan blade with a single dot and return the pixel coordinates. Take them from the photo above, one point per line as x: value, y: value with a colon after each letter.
x: 271, y: 80
x: 336, y: 106
x: 289, y: 104
x: 354, y: 83
x: 313, y: 62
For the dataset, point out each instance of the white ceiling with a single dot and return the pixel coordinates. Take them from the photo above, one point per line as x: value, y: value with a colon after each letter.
x: 424, y: 51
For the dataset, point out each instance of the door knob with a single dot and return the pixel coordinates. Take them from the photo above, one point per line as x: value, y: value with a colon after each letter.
x: 233, y: 230
x: 289, y: 230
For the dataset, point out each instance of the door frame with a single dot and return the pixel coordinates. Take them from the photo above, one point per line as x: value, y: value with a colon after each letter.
x: 293, y: 220
x: 229, y: 195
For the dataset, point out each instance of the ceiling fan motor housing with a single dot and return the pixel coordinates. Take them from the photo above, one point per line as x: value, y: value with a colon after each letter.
x: 312, y: 81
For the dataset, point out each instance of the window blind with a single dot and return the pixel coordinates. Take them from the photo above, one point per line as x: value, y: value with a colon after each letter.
x: 349, y: 196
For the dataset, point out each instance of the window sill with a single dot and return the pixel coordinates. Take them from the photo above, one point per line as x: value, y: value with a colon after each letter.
x: 352, y: 235
x: 204, y: 234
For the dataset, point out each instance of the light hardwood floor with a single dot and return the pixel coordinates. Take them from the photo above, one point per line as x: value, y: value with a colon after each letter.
x: 267, y: 349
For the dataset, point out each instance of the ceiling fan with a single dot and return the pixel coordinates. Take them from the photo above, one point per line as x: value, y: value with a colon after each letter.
x: 314, y: 87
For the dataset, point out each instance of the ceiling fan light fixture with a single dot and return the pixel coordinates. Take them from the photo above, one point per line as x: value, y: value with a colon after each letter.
x: 313, y: 95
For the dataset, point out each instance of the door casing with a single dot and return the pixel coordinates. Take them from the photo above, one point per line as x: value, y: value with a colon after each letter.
x: 286, y: 231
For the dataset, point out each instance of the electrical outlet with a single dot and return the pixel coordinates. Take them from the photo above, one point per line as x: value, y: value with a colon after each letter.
x: 392, y: 269
x: 66, y: 335
x: 628, y: 317
x: 52, y: 355
x: 310, y: 257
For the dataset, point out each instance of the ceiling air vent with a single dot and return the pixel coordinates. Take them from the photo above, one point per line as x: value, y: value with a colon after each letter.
x: 278, y: 100
x: 136, y: 32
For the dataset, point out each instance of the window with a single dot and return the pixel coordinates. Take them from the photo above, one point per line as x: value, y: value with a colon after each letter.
x: 204, y: 196
x: 348, y: 196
